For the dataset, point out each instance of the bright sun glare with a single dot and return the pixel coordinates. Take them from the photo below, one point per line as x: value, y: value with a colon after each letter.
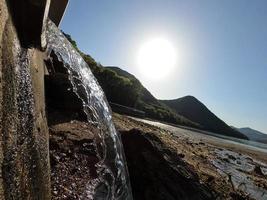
x: 156, y: 58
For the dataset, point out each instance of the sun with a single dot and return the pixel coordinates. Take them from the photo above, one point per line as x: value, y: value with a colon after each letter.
x: 156, y: 58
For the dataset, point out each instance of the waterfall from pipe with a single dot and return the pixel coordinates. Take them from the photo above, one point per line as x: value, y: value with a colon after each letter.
x: 112, y: 182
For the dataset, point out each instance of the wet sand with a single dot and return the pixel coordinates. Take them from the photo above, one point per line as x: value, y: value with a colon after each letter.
x: 232, y: 169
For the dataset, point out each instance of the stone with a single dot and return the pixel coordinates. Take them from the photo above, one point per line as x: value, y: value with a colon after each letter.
x: 154, y: 177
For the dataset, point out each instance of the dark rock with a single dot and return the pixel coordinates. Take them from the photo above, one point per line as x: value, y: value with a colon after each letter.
x: 210, y: 179
x: 59, y: 95
x: 154, y: 177
x: 181, y: 155
x: 226, y: 160
x: 258, y: 170
x: 231, y: 157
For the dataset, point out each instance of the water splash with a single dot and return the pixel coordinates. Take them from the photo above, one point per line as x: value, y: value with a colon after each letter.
x: 113, y: 181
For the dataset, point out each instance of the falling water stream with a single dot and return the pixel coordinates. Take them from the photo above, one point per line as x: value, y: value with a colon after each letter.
x: 112, y: 182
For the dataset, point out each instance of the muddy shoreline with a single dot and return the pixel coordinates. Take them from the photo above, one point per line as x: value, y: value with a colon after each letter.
x: 159, y: 160
x: 230, y: 169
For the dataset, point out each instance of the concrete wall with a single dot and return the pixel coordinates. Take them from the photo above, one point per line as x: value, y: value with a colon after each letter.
x: 24, y: 153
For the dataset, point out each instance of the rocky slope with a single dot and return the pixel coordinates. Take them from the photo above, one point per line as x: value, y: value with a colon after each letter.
x: 157, y: 172
x: 229, y: 171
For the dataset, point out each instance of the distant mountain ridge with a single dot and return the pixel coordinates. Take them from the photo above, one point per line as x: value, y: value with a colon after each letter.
x: 194, y: 110
x: 188, y: 107
x: 253, y: 134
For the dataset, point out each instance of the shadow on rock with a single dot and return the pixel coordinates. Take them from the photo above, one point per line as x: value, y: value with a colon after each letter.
x: 158, y: 173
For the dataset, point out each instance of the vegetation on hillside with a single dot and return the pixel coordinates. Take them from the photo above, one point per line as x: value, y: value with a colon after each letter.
x: 152, y: 107
x: 123, y: 88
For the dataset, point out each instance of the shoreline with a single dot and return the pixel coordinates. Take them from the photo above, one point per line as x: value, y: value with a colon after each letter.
x: 227, y: 168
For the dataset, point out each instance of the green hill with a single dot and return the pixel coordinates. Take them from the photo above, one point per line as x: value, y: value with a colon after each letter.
x: 194, y: 110
x: 125, y: 89
x: 148, y: 103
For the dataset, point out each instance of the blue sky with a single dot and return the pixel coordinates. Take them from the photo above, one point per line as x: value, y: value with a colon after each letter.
x: 221, y: 45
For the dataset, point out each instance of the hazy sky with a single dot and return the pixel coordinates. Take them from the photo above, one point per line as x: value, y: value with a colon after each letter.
x: 221, y: 48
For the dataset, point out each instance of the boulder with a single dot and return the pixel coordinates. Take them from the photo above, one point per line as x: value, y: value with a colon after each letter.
x: 158, y: 173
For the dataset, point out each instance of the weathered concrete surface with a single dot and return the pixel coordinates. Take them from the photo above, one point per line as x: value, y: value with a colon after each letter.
x: 30, y: 17
x: 57, y: 10
x: 24, y: 161
x: 3, y: 19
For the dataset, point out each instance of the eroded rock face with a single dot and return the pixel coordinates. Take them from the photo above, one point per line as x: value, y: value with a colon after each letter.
x: 24, y: 160
x: 157, y: 173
